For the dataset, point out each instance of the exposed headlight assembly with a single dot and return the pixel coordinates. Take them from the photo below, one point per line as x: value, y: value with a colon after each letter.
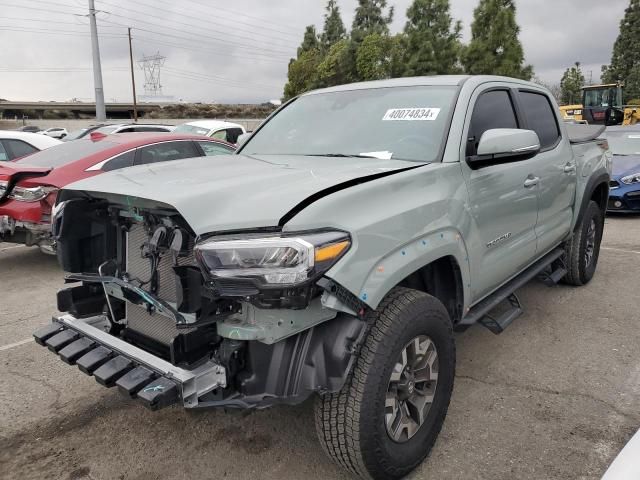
x: 277, y: 261
x: 24, y: 194
x: 629, y: 179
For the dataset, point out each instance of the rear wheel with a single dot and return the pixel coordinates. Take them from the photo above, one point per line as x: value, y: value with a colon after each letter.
x: 583, y: 249
x: 387, y: 417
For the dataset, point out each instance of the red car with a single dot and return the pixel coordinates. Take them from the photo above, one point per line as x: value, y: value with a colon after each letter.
x: 28, y: 186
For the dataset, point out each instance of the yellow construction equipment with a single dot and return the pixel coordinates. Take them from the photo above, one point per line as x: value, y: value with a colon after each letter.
x: 602, y: 105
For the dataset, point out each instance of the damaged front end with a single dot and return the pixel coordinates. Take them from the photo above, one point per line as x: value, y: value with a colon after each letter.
x: 242, y: 319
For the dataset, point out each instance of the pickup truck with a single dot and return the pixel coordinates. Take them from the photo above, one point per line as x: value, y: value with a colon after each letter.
x: 334, y: 255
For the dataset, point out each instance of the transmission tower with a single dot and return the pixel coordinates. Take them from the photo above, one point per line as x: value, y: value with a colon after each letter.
x: 151, y: 66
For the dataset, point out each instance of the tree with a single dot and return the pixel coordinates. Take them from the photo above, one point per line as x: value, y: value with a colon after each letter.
x: 334, y: 30
x: 374, y: 57
x: 554, y: 88
x: 338, y: 65
x: 302, y: 70
x: 309, y: 41
x: 432, y: 39
x: 370, y: 18
x: 494, y: 48
x: 571, y: 85
x: 626, y: 50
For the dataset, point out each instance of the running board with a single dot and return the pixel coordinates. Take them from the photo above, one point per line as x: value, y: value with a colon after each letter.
x: 481, y: 310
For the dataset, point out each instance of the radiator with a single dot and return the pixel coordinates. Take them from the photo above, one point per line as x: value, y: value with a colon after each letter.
x: 155, y: 326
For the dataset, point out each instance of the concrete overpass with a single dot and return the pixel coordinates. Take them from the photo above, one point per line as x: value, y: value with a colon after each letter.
x: 114, y: 110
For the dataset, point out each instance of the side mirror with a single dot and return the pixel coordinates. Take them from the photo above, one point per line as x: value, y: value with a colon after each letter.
x: 503, y: 145
x: 242, y: 138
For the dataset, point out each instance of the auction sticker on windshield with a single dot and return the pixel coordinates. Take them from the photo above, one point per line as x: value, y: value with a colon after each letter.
x: 411, y: 114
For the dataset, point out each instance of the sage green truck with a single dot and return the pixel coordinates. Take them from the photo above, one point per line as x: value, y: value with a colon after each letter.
x: 334, y: 255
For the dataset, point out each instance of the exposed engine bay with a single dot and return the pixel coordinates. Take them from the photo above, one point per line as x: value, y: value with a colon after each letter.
x: 143, y: 273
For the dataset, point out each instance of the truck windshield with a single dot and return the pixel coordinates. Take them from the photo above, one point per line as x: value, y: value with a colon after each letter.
x: 404, y: 123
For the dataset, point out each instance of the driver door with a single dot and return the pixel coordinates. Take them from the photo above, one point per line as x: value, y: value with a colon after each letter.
x: 503, y: 204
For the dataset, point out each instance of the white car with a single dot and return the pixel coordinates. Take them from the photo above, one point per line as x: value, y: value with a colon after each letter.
x: 133, y: 127
x: 15, y: 144
x: 626, y: 466
x: 218, y: 129
x: 55, y: 132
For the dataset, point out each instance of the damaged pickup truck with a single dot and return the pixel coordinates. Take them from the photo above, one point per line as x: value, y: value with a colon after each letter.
x: 333, y: 255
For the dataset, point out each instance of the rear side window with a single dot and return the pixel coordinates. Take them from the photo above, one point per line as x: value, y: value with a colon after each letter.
x: 121, y: 161
x: 213, y: 148
x: 493, y: 109
x: 4, y: 156
x: 540, y: 117
x: 166, y: 151
x: 149, y: 129
x: 18, y: 148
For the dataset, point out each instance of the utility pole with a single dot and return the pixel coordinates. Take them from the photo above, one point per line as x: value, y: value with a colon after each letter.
x: 101, y: 113
x: 133, y: 80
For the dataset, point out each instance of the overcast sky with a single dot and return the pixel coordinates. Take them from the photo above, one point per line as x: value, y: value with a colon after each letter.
x: 220, y: 51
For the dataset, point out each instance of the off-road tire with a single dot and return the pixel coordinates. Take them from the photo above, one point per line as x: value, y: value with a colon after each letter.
x: 351, y: 423
x: 579, y: 272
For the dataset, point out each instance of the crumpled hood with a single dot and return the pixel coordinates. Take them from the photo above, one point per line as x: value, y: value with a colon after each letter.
x: 230, y: 192
x: 624, y: 165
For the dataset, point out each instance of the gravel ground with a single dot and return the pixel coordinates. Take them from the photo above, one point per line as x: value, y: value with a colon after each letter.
x: 557, y: 395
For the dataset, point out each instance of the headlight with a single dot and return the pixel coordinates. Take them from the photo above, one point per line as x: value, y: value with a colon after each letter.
x: 24, y: 194
x: 276, y: 261
x: 629, y: 179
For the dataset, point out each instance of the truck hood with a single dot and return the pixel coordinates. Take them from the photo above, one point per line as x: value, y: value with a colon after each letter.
x: 230, y: 192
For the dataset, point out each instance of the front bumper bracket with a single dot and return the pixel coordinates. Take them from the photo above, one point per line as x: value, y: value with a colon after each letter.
x: 114, y: 362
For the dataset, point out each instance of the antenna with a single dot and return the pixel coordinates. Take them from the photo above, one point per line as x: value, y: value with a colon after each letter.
x: 151, y: 66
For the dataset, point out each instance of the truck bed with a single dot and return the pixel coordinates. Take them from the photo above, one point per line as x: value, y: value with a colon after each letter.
x: 579, y: 133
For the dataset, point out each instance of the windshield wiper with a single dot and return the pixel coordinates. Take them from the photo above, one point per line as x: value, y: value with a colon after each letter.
x: 338, y: 155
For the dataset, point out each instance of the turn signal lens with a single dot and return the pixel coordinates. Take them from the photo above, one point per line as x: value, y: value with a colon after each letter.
x: 329, y: 252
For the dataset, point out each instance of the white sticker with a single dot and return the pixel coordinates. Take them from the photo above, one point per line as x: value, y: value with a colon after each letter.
x: 411, y: 114
x: 634, y: 136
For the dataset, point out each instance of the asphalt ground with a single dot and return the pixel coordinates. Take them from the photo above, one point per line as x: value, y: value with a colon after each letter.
x: 557, y: 395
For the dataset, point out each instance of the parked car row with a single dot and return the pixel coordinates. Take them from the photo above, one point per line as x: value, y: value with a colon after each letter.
x: 220, y: 130
x: 25, y: 208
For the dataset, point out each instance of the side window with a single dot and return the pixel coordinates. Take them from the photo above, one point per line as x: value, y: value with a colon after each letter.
x: 493, y: 109
x: 18, y: 148
x: 163, y: 152
x: 213, y: 148
x: 149, y: 129
x: 121, y: 161
x: 4, y: 156
x: 126, y: 130
x: 220, y: 135
x: 233, y: 134
x: 540, y: 117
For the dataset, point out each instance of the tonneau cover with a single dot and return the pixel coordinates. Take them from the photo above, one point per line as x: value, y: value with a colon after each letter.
x: 579, y: 133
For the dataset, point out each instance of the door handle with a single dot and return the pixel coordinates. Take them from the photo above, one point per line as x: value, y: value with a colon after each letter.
x: 569, y: 168
x: 531, y: 182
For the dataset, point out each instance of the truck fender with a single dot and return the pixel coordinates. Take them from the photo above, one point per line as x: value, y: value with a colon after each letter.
x: 398, y: 264
x: 599, y: 177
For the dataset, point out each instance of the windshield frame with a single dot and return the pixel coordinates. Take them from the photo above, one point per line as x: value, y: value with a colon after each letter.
x: 447, y: 125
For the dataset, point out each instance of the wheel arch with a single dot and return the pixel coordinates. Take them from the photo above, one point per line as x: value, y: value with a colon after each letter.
x: 597, y: 189
x: 417, y: 264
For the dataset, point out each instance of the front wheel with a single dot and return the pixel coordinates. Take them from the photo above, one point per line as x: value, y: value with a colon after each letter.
x: 387, y: 416
x: 583, y: 249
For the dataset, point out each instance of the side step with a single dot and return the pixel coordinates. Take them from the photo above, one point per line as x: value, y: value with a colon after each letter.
x: 480, y: 311
x: 499, y: 324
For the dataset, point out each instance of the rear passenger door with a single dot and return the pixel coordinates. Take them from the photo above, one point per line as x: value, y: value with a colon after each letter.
x: 503, y: 209
x: 555, y: 168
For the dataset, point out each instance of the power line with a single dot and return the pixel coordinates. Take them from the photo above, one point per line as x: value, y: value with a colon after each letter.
x: 261, y: 25
x: 191, y: 27
x: 210, y: 51
x: 46, y: 20
x: 70, y: 33
x: 244, y: 14
x: 253, y: 50
x: 206, y: 76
